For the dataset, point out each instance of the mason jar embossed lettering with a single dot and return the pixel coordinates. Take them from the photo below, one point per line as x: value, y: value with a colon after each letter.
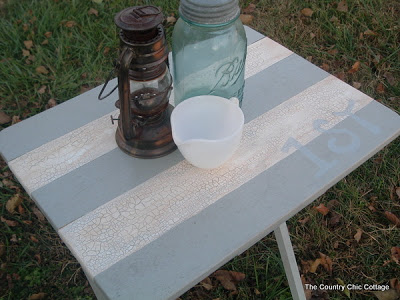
x: 209, y: 50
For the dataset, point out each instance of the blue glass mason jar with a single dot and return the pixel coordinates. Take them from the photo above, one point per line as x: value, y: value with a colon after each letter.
x: 209, y: 49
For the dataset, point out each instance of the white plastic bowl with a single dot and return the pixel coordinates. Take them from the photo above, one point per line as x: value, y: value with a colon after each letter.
x: 207, y: 129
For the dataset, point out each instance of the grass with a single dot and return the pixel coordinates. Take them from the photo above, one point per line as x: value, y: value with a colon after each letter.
x: 34, y: 260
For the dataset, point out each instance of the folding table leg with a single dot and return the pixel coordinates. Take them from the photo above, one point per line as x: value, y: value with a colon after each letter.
x: 289, y: 262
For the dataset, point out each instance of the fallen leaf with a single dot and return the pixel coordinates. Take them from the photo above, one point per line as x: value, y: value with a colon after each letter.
x: 395, y: 284
x: 357, y: 85
x: 10, y: 223
x: 93, y: 11
x: 13, y: 203
x: 37, y: 296
x: 312, y: 35
x: 48, y: 34
x: 326, y: 262
x: 171, y: 20
x: 386, y: 295
x: 207, y: 284
x: 34, y: 239
x: 249, y: 9
x: 333, y: 203
x: 342, y: 6
x: 9, y: 183
x: 335, y: 219
x: 42, y: 89
x: 333, y: 51
x: 106, y: 50
x: 341, y: 76
x: 390, y: 78
x: 31, y: 58
x: 305, y: 220
x: 28, y: 44
x: 380, y: 88
x: 369, y: 32
x: 51, y: 103
x: 38, y: 258
x: 325, y: 67
x: 334, y: 19
x: 257, y: 292
x: 70, y: 24
x: 372, y: 208
x: 398, y: 192
x: 45, y: 42
x: 358, y: 235
x: 42, y: 70
x: 395, y: 254
x: 21, y: 209
x: 27, y: 222
x: 314, y: 265
x: 335, y: 245
x: 246, y: 19
x: 392, y: 218
x: 322, y: 209
x: 307, y: 12
x: 38, y: 214
x: 25, y: 52
x: 4, y: 118
x: 309, y: 58
x: 15, y: 120
x: 355, y: 67
x: 228, y: 279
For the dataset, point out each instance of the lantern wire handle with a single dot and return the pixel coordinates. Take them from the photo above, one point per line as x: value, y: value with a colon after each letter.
x: 105, y: 85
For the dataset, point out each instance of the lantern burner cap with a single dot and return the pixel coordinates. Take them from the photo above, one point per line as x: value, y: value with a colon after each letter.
x: 139, y: 23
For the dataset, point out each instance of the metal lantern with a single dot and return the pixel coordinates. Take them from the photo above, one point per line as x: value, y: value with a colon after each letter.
x: 144, y: 84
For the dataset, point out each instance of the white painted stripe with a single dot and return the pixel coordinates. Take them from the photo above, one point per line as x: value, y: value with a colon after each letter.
x: 127, y: 223
x: 58, y: 157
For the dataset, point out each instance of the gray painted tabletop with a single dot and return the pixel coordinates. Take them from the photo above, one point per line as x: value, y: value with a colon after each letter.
x: 151, y: 229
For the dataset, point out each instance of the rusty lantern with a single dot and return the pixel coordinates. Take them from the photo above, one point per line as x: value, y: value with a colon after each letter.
x: 144, y: 84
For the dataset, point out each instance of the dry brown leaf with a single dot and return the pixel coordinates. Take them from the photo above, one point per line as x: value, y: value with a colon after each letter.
x: 37, y: 296
x: 2, y: 249
x: 325, y: 67
x: 312, y: 35
x: 70, y: 24
x: 398, y: 192
x: 14, y: 238
x: 333, y: 203
x: 392, y: 218
x: 51, y: 103
x: 355, y: 67
x: 34, y: 239
x: 4, y: 118
x: 15, y: 120
x: 390, y: 78
x: 322, y: 209
x: 27, y: 222
x: 25, y: 52
x: 342, y: 6
x: 13, y: 203
x: 42, y: 70
x: 307, y: 12
x: 372, y: 208
x: 10, y: 223
x: 171, y: 19
x: 341, y: 76
x: 380, y: 88
x: 42, y: 89
x: 228, y: 279
x: 106, y: 50
x: 369, y: 32
x: 93, y: 11
x: 38, y: 258
x: 249, y: 9
x: 356, y: 85
x: 257, y: 292
x: 305, y: 220
x: 48, y: 34
x: 21, y: 209
x: 395, y: 284
x: 314, y: 265
x: 28, y: 44
x: 335, y: 219
x: 358, y: 235
x: 246, y: 19
x: 395, y: 251
x: 207, y: 284
x: 38, y: 214
x: 335, y: 245
x: 45, y: 42
x: 326, y: 262
x: 386, y: 295
x: 333, y: 51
